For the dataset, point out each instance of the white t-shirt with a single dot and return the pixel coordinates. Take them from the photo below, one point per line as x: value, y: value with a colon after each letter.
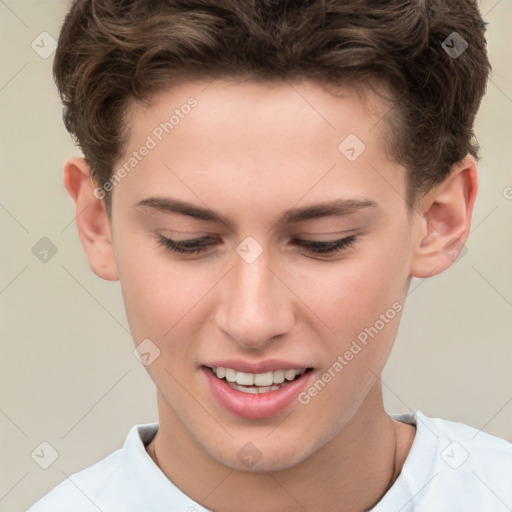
x: 451, y: 467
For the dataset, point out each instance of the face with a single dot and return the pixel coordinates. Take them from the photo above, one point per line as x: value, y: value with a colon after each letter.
x: 262, y: 231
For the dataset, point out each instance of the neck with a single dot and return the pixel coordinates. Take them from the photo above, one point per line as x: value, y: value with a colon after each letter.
x: 355, y: 468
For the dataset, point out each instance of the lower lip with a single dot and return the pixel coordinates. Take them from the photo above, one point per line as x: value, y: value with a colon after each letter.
x: 255, y: 406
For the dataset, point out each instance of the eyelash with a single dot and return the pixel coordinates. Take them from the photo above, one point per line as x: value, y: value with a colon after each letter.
x: 198, y: 245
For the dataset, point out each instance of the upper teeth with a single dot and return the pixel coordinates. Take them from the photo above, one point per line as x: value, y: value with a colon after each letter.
x: 256, y: 379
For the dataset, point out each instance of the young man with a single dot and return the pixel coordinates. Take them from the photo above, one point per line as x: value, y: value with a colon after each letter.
x: 264, y: 179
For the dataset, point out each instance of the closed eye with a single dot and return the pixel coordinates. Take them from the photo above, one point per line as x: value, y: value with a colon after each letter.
x: 331, y: 247
x: 201, y: 245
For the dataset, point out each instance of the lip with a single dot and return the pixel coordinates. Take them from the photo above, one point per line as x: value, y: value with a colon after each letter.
x: 258, y: 367
x: 255, y: 406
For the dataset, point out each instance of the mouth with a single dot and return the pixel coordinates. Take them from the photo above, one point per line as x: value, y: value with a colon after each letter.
x: 257, y: 383
x: 256, y: 395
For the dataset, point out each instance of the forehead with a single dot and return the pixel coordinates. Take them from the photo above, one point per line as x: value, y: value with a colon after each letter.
x: 268, y: 105
x: 260, y: 145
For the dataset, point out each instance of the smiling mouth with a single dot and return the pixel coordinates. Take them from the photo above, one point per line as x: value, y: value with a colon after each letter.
x: 257, y: 383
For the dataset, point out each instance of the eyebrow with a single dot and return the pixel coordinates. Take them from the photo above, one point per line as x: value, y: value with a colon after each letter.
x: 336, y: 208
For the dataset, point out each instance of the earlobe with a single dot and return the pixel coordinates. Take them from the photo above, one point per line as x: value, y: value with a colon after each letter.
x: 92, y: 221
x: 445, y: 220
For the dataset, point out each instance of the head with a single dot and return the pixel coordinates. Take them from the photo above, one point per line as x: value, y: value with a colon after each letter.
x: 257, y: 116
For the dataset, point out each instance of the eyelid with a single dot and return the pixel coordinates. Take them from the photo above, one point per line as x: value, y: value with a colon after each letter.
x: 315, y: 247
x: 337, y: 234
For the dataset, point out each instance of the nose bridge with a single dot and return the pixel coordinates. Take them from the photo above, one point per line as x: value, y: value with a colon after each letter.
x: 255, y: 306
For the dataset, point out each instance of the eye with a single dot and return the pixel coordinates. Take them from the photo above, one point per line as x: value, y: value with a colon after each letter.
x: 327, y: 248
x: 198, y: 245
x: 192, y: 246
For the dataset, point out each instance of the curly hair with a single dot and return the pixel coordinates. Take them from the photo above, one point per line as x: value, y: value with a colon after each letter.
x: 431, y: 55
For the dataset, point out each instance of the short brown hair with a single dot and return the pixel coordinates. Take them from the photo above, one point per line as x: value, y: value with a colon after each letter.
x: 112, y: 51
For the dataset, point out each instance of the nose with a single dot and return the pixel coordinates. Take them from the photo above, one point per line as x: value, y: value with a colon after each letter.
x: 256, y: 305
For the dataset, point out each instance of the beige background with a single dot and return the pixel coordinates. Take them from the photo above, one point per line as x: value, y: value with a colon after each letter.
x: 68, y: 374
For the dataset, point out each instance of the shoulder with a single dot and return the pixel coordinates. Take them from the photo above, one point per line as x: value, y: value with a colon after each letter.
x: 127, y: 480
x: 79, y: 489
x: 475, y: 465
x: 452, y: 466
x: 94, y: 486
x: 460, y: 445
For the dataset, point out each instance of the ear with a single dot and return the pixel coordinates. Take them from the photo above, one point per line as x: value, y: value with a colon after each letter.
x: 91, y: 218
x: 445, y: 220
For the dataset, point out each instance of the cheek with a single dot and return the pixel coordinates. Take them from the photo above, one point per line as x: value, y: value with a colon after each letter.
x: 156, y: 291
x: 355, y: 294
x: 362, y: 306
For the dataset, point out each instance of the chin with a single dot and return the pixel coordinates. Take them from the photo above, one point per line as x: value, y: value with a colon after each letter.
x: 263, y: 457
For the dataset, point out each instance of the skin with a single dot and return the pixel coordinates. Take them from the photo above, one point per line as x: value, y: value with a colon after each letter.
x: 251, y: 151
